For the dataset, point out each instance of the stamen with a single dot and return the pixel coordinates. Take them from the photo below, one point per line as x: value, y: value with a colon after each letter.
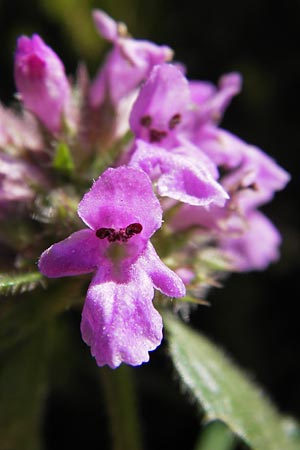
x: 146, y: 121
x: 103, y: 233
x: 122, y: 234
x: 156, y: 135
x: 134, y: 228
x: 174, y: 121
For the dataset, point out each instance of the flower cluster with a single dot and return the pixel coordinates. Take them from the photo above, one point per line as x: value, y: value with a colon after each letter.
x: 163, y: 164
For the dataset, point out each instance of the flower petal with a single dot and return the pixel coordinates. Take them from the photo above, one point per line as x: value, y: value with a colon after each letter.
x: 79, y: 253
x: 41, y: 80
x: 201, y: 91
x: 256, y: 248
x: 260, y: 174
x: 157, y: 112
x: 106, y: 26
x: 211, y: 102
x: 179, y: 176
x: 127, y: 64
x: 120, y: 197
x: 222, y: 147
x: 119, y: 321
x: 162, y: 277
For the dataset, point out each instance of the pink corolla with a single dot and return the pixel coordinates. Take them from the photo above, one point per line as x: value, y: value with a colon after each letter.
x: 249, y: 241
x: 19, y: 181
x: 180, y: 174
x: 182, y: 171
x: 256, y: 247
x: 42, y: 83
x: 127, y: 64
x: 160, y: 110
x: 210, y: 101
x: 256, y: 179
x: 250, y: 176
x: 119, y: 321
x: 19, y: 131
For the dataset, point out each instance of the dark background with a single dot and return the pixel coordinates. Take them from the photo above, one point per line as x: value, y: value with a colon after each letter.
x: 255, y: 317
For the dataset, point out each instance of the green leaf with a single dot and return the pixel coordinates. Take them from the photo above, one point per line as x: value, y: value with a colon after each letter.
x: 225, y: 393
x: 63, y: 160
x: 19, y: 283
x: 216, y: 435
x: 22, y: 393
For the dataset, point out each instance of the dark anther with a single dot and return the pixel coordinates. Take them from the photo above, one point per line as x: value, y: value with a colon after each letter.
x: 122, y: 234
x: 103, y: 233
x: 134, y: 228
x: 174, y: 121
x: 156, y: 135
x: 146, y: 121
x: 253, y: 186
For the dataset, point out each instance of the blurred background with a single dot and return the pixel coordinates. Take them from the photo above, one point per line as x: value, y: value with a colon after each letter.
x: 255, y: 317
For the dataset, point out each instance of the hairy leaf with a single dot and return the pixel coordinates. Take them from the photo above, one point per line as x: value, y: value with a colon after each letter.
x: 19, y: 283
x: 225, y: 393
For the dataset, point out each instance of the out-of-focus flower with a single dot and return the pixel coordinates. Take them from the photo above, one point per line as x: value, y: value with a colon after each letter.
x: 182, y: 171
x: 18, y: 181
x: 256, y: 247
x: 178, y: 176
x: 127, y: 65
x: 256, y: 179
x: 159, y: 112
x: 42, y: 83
x: 209, y: 101
x: 119, y: 321
x: 19, y: 131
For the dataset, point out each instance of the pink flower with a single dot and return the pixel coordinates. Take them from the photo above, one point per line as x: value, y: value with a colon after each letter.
x: 18, y: 180
x: 42, y: 83
x: 182, y: 174
x: 126, y: 66
x: 254, y: 249
x: 19, y: 131
x: 209, y: 101
x: 158, y: 118
x: 256, y: 179
x: 119, y: 321
x: 160, y: 111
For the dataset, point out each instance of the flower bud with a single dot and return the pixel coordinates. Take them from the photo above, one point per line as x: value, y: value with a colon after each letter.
x: 41, y: 81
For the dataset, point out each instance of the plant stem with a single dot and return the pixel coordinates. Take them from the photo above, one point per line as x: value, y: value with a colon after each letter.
x: 119, y: 392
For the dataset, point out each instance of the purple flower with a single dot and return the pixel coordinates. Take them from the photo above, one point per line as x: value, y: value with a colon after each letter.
x: 256, y: 247
x: 249, y: 241
x: 251, y: 177
x: 219, y: 220
x: 18, y: 180
x: 222, y: 147
x: 19, y: 131
x: 159, y: 112
x: 209, y: 101
x: 119, y: 321
x: 127, y: 65
x: 256, y: 179
x: 42, y: 83
x: 183, y: 174
x: 157, y: 119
